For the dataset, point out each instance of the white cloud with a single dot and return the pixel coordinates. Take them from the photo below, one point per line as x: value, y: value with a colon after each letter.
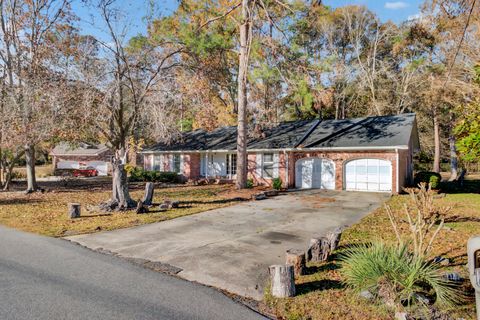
x: 396, y: 5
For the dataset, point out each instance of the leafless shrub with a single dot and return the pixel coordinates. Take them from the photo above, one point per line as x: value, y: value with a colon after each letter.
x: 424, y: 217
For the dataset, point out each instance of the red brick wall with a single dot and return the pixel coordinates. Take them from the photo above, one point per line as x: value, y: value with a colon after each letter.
x: 192, y: 165
x: 340, y: 159
x: 258, y: 180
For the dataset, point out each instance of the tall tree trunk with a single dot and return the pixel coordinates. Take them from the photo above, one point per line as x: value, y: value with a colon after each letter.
x: 453, y: 158
x: 30, y: 166
x: 241, y: 182
x: 436, y: 137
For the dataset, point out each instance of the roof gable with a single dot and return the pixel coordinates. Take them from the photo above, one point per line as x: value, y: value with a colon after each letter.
x: 82, y: 149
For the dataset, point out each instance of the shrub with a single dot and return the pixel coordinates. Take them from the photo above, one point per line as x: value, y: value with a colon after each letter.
x: 249, y: 183
x: 424, y: 217
x: 428, y: 177
x: 129, y: 168
x: 18, y: 175
x: 396, y: 276
x: 277, y: 183
x: 138, y: 174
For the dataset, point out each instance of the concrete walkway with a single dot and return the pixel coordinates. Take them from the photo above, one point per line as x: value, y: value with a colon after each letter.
x: 231, y: 248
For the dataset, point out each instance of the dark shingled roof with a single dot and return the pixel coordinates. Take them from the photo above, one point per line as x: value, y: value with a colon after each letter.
x: 371, y: 131
x: 385, y: 131
x: 84, y: 149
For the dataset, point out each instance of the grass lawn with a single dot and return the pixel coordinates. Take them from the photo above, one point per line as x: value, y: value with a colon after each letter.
x: 40, y: 171
x: 46, y: 213
x: 321, y: 293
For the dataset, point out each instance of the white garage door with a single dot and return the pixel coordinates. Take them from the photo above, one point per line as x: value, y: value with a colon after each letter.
x: 68, y: 165
x: 368, y: 175
x: 101, y: 167
x: 315, y: 173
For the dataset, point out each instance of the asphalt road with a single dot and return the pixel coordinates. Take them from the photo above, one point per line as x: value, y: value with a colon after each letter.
x: 47, y: 278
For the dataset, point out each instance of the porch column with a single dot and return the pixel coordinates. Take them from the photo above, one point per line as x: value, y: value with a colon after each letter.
x: 206, y: 165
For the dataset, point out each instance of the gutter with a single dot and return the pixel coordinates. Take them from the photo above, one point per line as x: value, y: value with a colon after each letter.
x: 75, y: 155
x: 397, y: 171
x: 394, y: 148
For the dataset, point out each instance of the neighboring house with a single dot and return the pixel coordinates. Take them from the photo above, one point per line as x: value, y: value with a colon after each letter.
x: 82, y: 156
x: 364, y: 154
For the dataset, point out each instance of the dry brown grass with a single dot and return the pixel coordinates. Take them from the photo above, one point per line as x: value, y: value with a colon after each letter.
x: 46, y: 213
x: 40, y: 171
x: 321, y: 293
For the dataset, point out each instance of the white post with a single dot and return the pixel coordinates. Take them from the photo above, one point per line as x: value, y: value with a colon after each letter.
x: 477, y: 299
x: 206, y: 165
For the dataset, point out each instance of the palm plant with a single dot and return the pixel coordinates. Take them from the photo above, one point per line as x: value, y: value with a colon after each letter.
x: 395, y: 275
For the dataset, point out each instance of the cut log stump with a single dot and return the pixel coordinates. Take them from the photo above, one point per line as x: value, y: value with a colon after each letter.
x: 282, y: 281
x: 319, y: 249
x: 296, y: 258
x: 148, y: 197
x: 333, y: 238
x: 74, y: 210
x: 141, y: 208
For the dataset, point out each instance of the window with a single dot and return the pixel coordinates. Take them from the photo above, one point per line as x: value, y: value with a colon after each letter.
x: 268, y: 165
x: 176, y: 163
x: 157, y: 163
x: 231, y: 160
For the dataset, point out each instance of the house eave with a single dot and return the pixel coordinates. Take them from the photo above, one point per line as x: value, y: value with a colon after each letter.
x: 376, y: 148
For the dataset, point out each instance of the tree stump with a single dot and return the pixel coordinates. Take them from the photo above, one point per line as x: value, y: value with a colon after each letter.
x: 318, y: 250
x: 73, y: 210
x: 282, y: 281
x: 334, y: 238
x: 296, y: 258
x: 141, y: 208
x: 148, y: 197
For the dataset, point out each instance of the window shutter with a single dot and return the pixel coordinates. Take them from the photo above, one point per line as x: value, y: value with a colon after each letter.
x: 181, y: 164
x: 275, y: 165
x: 162, y: 165
x: 258, y: 165
x: 170, y: 162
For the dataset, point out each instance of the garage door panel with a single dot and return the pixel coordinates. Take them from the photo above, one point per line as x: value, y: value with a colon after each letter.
x: 68, y: 165
x: 315, y: 173
x: 385, y: 186
x: 368, y: 175
x: 100, y: 166
x: 361, y: 186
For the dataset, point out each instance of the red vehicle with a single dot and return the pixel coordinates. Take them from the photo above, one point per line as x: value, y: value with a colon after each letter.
x: 87, y: 172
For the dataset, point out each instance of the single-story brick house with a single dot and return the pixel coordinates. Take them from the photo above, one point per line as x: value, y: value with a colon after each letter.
x: 363, y: 154
x: 67, y: 157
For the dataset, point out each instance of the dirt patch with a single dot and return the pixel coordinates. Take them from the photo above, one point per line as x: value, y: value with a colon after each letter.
x: 316, y: 201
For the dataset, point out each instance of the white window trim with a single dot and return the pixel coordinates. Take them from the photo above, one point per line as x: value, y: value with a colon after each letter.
x: 260, y: 165
x: 171, y: 163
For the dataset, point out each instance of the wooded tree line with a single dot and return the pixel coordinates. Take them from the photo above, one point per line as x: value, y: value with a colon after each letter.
x: 224, y: 62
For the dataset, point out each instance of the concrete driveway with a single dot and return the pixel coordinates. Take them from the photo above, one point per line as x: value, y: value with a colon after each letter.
x: 231, y: 248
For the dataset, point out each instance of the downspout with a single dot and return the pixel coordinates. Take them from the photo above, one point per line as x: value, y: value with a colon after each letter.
x: 397, y: 170
x: 286, y: 168
x: 206, y: 165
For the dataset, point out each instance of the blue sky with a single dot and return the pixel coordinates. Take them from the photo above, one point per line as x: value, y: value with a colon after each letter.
x: 397, y: 11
